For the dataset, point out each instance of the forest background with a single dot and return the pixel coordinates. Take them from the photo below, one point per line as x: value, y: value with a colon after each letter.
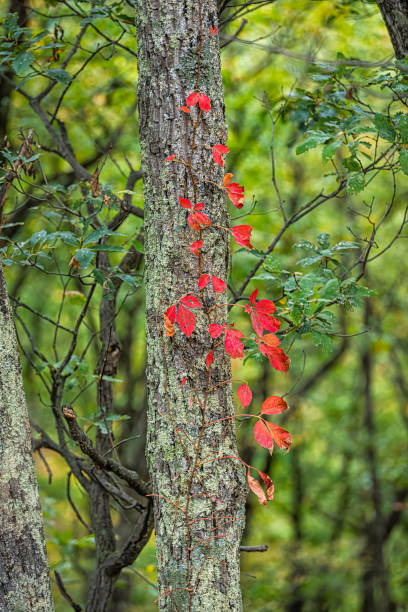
x: 347, y: 387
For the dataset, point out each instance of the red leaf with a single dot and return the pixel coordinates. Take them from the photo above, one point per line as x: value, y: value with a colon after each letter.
x: 256, y: 323
x: 215, y: 330
x: 213, y: 30
x: 236, y: 194
x: 218, y: 284
x: 217, y: 151
x: 268, y: 484
x: 204, y: 103
x: 184, y: 202
x: 218, y: 159
x: 171, y: 313
x: 190, y: 301
x: 281, y: 436
x: 209, y: 359
x: 270, y: 340
x: 203, y: 280
x: 242, y: 235
x: 265, y: 306
x: 278, y: 359
x: 233, y: 345
x: 199, y: 206
x: 256, y: 488
x: 197, y: 220
x: 253, y: 295
x: 274, y: 405
x: 185, y: 109
x: 269, y: 322
x: 244, y: 394
x: 186, y: 320
x: 193, y: 98
x: 220, y: 148
x: 196, y: 246
x: 183, y: 382
x: 170, y: 158
x: 263, y: 435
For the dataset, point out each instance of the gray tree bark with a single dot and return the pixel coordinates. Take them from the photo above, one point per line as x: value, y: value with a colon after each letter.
x: 24, y: 577
x: 198, y: 560
x: 395, y: 15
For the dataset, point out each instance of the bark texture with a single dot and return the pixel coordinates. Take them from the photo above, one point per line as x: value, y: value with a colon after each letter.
x: 395, y: 15
x: 198, y: 569
x: 24, y: 578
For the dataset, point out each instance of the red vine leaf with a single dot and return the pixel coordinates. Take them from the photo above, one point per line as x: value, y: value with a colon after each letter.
x: 278, y: 359
x: 183, y: 382
x: 170, y: 157
x: 217, y: 152
x: 227, y: 177
x: 198, y: 220
x: 263, y: 435
x: 218, y: 284
x: 215, y: 330
x: 196, y: 246
x: 168, y: 327
x: 244, y: 394
x: 209, y: 359
x: 186, y: 320
x: 204, y: 103
x: 281, y: 436
x: 190, y: 301
x: 274, y: 405
x: 193, y: 98
x: 171, y: 313
x: 184, y: 202
x: 203, y: 280
x: 185, y: 109
x: 233, y: 344
x: 242, y: 235
x: 253, y: 295
x: 199, y: 206
x: 236, y: 194
x: 265, y: 306
x: 213, y: 30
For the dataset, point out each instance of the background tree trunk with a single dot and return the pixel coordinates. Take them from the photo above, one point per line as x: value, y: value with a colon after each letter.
x: 395, y: 15
x: 168, y: 40
x: 24, y: 578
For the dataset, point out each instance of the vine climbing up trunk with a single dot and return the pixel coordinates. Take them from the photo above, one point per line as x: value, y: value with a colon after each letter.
x: 199, y: 508
x: 24, y: 579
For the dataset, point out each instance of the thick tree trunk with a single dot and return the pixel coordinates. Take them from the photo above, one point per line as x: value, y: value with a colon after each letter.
x: 24, y: 578
x: 395, y: 15
x: 198, y: 560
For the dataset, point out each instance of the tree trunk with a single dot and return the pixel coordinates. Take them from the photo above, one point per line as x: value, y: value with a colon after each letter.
x: 198, y: 560
x: 24, y: 578
x: 395, y: 15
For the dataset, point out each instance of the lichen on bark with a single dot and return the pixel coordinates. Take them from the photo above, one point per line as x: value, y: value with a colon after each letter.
x: 168, y: 38
x: 24, y: 577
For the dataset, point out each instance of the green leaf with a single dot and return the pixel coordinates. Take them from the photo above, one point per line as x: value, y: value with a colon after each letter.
x: 402, y: 124
x: 355, y: 182
x: 331, y: 289
x: 84, y: 257
x: 384, y: 127
x: 403, y: 160
x: 22, y: 62
x: 138, y: 246
x: 330, y: 149
x: 57, y: 74
x: 315, y: 138
x: 322, y: 339
x: 308, y: 261
x: 97, y: 234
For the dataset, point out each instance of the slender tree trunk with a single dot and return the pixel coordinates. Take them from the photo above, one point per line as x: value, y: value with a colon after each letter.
x: 395, y: 15
x: 198, y: 560
x: 24, y: 578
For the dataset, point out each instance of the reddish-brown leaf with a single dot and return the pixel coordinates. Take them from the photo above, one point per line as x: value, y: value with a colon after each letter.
x: 274, y: 405
x: 185, y: 109
x: 186, y: 320
x: 281, y: 436
x: 256, y: 488
x: 244, y: 394
x: 168, y: 327
x: 270, y: 488
x: 227, y: 177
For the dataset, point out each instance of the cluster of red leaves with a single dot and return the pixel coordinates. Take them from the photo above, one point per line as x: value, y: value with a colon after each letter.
x: 266, y: 434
